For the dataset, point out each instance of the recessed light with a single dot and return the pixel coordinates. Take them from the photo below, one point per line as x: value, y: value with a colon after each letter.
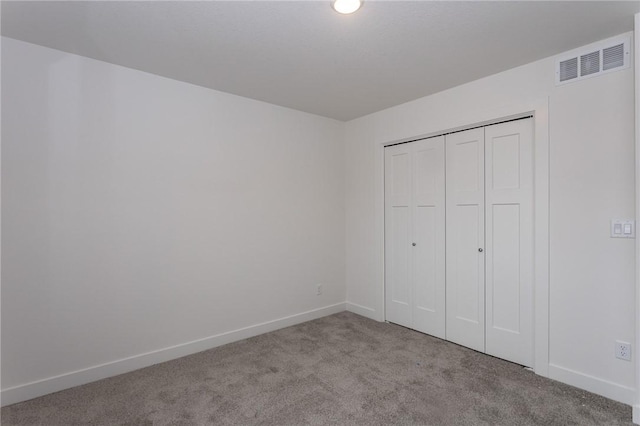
x: 346, y: 6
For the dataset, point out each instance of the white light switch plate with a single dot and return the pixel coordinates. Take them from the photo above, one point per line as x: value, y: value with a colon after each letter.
x: 621, y: 228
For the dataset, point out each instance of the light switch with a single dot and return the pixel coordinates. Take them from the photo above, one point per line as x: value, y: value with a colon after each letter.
x: 621, y: 228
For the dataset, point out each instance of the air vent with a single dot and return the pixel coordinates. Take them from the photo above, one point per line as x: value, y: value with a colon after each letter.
x: 569, y: 69
x: 613, y: 57
x: 595, y: 59
x: 590, y: 63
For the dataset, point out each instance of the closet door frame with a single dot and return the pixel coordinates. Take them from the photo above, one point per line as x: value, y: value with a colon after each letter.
x: 539, y: 110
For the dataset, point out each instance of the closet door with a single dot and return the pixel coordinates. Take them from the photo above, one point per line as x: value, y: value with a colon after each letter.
x: 509, y: 241
x: 428, y: 205
x: 398, y: 234
x: 465, y: 292
x: 415, y: 235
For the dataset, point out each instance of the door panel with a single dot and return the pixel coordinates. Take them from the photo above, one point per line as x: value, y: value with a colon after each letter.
x: 425, y: 257
x: 415, y: 235
x: 465, y: 316
x: 429, y: 236
x: 505, y: 160
x: 464, y: 158
x: 398, y: 231
x: 468, y: 264
x: 509, y: 228
x: 504, y: 264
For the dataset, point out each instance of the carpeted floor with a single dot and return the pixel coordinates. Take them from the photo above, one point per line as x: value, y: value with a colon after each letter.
x: 342, y: 369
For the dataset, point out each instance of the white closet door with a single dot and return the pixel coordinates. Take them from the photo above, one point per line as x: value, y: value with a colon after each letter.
x: 415, y: 235
x: 509, y: 241
x: 465, y: 238
x: 398, y: 238
x: 428, y: 204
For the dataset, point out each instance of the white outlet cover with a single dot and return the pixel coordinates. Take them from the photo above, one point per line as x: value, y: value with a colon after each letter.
x: 623, y: 350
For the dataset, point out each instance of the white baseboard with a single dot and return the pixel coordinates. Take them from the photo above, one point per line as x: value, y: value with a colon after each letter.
x: 608, y: 389
x: 80, y: 377
x: 362, y: 310
x: 636, y: 414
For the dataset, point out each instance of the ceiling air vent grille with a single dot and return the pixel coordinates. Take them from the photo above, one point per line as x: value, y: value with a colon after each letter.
x: 595, y: 59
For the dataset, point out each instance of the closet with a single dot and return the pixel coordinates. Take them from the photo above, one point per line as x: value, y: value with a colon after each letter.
x: 459, y: 238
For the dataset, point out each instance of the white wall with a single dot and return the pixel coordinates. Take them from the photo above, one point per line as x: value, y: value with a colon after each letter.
x: 591, y: 143
x: 140, y: 213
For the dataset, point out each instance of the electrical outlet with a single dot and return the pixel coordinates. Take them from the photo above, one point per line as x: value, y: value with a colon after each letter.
x: 319, y: 290
x: 623, y: 350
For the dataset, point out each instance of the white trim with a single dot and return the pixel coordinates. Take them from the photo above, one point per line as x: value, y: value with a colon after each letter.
x: 636, y: 407
x: 379, y: 223
x: 363, y: 311
x: 540, y: 110
x: 608, y: 389
x: 98, y: 372
x: 541, y: 239
x: 0, y: 179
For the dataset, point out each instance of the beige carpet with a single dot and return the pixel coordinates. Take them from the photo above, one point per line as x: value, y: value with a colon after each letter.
x: 342, y: 369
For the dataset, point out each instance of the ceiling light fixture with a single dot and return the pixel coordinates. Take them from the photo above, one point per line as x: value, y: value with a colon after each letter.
x: 346, y: 6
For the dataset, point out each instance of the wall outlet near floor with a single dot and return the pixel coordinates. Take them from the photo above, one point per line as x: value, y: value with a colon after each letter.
x: 319, y: 290
x: 623, y: 350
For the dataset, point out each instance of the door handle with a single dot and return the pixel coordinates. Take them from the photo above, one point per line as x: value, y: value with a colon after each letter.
x: 413, y: 244
x: 480, y: 250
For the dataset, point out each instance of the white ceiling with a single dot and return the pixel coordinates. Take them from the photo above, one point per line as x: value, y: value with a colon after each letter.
x: 303, y: 55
